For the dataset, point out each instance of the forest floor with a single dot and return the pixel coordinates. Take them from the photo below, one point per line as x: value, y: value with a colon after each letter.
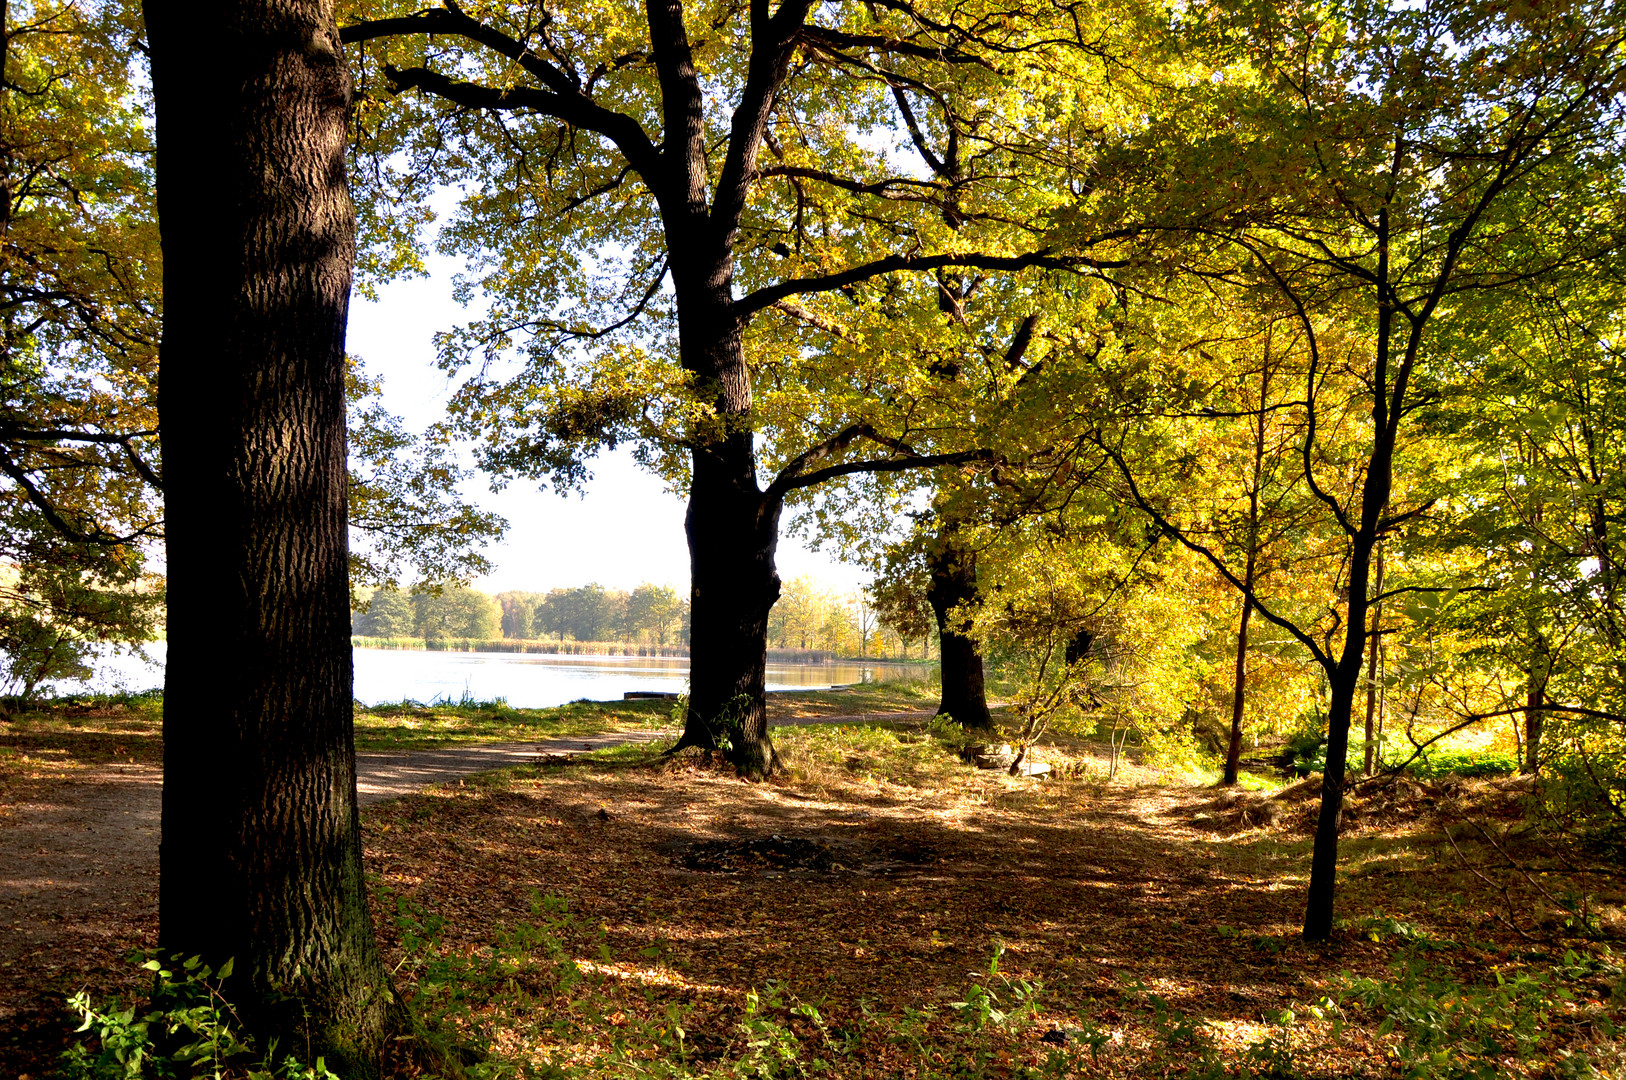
x: 882, y: 909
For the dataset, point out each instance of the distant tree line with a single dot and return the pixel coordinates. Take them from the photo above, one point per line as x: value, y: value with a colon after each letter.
x: 808, y: 616
x: 649, y: 614
x: 452, y: 612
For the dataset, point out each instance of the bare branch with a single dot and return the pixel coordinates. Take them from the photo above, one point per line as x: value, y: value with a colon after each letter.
x: 769, y: 295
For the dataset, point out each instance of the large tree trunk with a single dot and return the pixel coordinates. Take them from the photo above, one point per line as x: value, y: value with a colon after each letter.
x: 953, y: 583
x: 260, y: 857
x: 733, y: 582
x: 732, y: 529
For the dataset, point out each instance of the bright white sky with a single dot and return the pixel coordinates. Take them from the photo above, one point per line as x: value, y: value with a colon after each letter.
x: 626, y: 531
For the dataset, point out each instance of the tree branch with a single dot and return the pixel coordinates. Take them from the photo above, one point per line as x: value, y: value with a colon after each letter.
x: 562, y: 97
x: 769, y: 295
x: 1214, y: 560
x: 881, y: 465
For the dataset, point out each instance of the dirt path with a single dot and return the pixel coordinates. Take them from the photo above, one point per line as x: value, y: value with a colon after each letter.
x: 79, y: 867
x: 84, y: 862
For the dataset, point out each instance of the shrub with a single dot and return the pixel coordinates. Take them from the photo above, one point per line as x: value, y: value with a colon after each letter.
x: 1471, y: 763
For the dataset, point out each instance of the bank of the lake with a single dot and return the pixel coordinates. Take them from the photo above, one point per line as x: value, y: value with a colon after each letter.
x: 619, y: 648
x: 523, y: 680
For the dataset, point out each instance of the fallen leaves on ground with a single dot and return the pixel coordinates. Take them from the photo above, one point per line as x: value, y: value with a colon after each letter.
x: 842, y: 915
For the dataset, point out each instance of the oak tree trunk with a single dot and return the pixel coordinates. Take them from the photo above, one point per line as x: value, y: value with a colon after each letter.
x: 732, y: 538
x: 953, y: 583
x: 260, y: 858
x: 732, y: 529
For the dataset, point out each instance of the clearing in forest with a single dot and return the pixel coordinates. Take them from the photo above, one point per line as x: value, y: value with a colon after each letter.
x: 885, y: 910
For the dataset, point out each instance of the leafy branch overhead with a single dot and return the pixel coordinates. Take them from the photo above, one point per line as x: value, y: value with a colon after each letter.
x: 602, y: 172
x: 403, y: 499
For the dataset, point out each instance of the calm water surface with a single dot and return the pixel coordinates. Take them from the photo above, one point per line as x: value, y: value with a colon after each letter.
x: 525, y: 680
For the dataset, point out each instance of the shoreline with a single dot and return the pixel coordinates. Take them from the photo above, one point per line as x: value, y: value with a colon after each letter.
x: 588, y: 649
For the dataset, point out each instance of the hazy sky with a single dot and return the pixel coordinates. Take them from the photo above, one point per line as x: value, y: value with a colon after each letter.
x: 627, y: 530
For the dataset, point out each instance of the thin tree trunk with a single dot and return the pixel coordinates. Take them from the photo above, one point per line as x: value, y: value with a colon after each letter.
x: 1535, y: 717
x: 1233, y: 753
x: 260, y: 857
x: 1372, y: 676
x: 1318, y: 915
x: 1344, y: 672
x: 1239, y: 688
x: 954, y: 584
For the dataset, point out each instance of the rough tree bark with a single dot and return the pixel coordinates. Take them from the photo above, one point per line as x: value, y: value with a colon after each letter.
x: 260, y: 858
x: 954, y: 583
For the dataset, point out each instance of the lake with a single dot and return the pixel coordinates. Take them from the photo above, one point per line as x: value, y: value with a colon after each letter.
x: 524, y: 680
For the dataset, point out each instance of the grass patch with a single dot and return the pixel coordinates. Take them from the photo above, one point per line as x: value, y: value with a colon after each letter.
x: 898, y: 695
x: 74, y: 737
x: 876, y: 754
x: 412, y: 726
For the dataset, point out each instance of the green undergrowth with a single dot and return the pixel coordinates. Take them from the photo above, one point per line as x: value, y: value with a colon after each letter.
x: 548, y: 997
x: 1306, y: 753
x: 187, y: 1028
x: 903, y: 754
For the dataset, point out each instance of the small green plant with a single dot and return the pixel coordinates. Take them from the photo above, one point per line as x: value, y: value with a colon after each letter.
x: 948, y: 732
x: 772, y: 1049
x: 1450, y: 1030
x: 982, y: 1002
x: 1269, y: 1059
x: 190, y: 1031
x: 1387, y: 927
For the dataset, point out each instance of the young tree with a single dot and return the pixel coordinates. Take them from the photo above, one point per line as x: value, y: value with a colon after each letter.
x: 260, y: 858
